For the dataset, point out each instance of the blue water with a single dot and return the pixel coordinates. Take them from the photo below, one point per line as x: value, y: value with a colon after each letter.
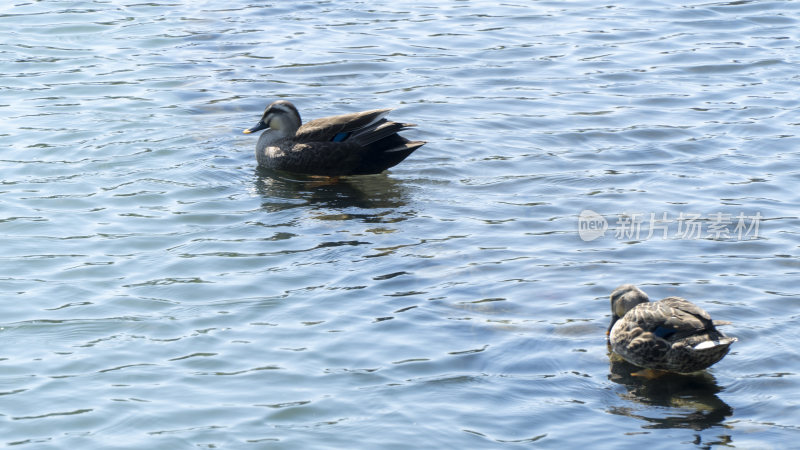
x: 158, y: 291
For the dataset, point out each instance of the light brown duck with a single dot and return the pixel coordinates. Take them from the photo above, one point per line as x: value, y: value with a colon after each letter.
x: 672, y: 334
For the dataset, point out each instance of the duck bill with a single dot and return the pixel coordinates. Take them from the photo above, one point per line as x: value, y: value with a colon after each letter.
x: 259, y: 126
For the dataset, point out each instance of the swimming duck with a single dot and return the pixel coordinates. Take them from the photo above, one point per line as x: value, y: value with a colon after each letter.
x: 350, y: 144
x: 672, y: 334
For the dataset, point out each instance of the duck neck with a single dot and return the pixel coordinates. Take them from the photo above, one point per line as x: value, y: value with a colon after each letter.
x: 284, y: 126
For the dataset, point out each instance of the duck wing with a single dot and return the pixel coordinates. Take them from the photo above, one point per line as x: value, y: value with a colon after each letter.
x: 338, y: 128
x: 673, y: 319
x: 351, y: 144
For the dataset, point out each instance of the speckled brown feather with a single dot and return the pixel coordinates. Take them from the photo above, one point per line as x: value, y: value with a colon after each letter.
x: 671, y: 334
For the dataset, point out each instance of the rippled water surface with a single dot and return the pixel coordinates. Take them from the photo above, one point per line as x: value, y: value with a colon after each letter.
x: 158, y: 291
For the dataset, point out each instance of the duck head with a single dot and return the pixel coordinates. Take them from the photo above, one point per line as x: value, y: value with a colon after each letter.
x: 623, y: 299
x: 281, y: 117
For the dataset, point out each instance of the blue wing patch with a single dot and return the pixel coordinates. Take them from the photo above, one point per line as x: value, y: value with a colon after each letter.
x: 664, y: 332
x: 340, y: 136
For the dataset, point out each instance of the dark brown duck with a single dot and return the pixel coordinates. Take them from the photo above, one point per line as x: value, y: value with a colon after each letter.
x: 349, y: 144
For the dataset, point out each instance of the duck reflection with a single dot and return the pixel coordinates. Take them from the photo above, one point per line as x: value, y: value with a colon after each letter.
x: 282, y: 191
x: 691, y: 398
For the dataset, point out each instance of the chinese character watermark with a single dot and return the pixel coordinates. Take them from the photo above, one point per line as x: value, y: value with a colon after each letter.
x: 645, y: 226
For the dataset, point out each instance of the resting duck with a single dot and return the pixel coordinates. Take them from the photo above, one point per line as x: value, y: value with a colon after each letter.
x: 350, y: 144
x: 671, y: 334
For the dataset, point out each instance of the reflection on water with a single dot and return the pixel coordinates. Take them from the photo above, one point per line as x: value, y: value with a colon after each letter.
x: 281, y: 190
x: 143, y: 253
x: 690, y: 401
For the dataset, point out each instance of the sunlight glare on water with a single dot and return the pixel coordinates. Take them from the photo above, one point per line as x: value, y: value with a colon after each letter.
x: 160, y: 291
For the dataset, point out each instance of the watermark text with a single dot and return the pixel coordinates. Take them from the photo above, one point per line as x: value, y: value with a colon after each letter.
x: 684, y: 225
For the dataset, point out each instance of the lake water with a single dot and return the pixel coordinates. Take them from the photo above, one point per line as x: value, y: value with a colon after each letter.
x: 158, y: 291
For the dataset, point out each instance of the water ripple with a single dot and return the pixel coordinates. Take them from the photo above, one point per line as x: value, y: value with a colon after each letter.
x: 162, y: 291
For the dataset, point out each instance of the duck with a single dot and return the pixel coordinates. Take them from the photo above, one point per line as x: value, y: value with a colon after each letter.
x: 670, y: 335
x: 359, y: 143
